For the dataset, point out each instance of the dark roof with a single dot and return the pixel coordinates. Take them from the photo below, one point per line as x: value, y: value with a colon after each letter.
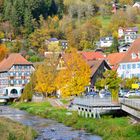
x: 13, y: 59
x: 95, y: 64
x: 106, y: 38
x: 53, y: 39
x: 131, y: 29
x: 124, y: 45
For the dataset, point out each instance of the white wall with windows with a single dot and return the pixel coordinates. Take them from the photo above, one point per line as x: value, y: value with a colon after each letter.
x: 129, y: 70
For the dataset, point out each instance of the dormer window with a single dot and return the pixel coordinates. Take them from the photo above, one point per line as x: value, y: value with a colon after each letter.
x: 139, y: 55
x: 133, y: 55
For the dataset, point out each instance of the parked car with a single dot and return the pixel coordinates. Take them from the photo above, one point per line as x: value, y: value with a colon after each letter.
x: 130, y: 93
x: 123, y: 92
x: 91, y: 93
x: 137, y: 92
x: 104, y: 94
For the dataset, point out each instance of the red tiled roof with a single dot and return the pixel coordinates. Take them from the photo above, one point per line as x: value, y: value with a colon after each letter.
x: 134, y: 48
x: 14, y: 58
x: 92, y: 55
x: 93, y: 64
x: 115, y: 58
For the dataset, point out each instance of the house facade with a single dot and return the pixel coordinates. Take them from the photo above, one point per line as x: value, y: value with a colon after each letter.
x: 130, y: 65
x: 15, y: 71
x: 105, y: 42
x: 123, y: 48
x: 98, y: 67
x: 129, y: 35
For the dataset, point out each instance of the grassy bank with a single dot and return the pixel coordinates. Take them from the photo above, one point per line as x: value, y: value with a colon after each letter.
x: 10, y: 130
x: 107, y: 127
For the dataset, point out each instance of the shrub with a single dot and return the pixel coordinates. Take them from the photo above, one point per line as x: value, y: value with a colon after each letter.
x: 27, y: 93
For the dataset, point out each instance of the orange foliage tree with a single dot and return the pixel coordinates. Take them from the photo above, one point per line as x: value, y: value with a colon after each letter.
x: 3, y: 51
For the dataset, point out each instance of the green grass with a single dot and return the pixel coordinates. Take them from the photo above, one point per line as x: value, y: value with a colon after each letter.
x: 107, y: 127
x: 104, y: 20
x: 10, y: 130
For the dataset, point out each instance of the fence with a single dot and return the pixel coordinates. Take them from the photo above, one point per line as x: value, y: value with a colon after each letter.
x: 94, y: 101
x: 135, y: 103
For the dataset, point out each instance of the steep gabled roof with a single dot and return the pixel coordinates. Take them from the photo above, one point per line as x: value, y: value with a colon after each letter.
x: 12, y: 59
x: 134, y: 49
x: 115, y: 58
x: 92, y: 55
x: 95, y: 64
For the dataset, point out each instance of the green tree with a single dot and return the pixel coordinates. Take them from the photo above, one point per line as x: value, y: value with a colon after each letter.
x: 112, y: 82
x: 27, y: 92
x: 127, y: 83
x: 28, y: 21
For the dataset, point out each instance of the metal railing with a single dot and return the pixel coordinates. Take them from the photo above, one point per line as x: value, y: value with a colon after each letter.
x: 94, y: 101
x: 131, y: 102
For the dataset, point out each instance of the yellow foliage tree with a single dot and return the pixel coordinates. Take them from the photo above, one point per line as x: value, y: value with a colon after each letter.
x: 45, y: 77
x: 73, y: 79
x: 3, y: 51
x: 128, y: 2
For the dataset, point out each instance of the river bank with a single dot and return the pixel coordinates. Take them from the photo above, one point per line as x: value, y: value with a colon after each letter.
x: 107, y: 127
x: 47, y: 129
x: 11, y: 130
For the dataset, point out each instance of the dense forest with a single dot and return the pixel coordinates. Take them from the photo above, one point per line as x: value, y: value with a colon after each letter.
x: 25, y: 25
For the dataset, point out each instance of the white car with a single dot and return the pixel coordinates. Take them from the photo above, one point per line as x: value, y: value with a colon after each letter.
x: 130, y: 93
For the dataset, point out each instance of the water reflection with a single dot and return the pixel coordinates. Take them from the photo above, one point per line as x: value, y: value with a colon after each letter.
x: 48, y: 129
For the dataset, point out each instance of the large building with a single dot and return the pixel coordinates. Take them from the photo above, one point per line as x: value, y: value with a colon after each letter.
x: 130, y: 64
x: 15, y: 71
x: 114, y: 59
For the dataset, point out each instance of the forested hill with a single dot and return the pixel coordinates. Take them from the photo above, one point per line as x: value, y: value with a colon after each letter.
x: 25, y: 25
x: 22, y: 12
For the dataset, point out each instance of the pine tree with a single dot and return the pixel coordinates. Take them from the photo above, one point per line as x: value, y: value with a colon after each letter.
x: 28, y: 21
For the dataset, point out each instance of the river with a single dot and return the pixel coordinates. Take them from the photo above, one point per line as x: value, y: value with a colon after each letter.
x: 47, y: 129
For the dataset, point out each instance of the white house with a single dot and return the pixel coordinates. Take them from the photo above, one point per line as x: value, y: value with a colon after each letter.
x: 137, y: 5
x: 15, y: 71
x: 124, y: 47
x: 129, y: 34
x: 130, y: 65
x: 105, y: 41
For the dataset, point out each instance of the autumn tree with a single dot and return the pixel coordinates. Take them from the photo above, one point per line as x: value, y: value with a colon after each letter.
x: 120, y: 19
x: 45, y: 76
x: 127, y: 82
x: 126, y: 2
x: 3, y: 51
x: 76, y: 75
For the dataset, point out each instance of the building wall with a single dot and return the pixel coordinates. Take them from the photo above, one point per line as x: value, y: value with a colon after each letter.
x: 18, y: 75
x: 98, y: 74
x: 129, y: 70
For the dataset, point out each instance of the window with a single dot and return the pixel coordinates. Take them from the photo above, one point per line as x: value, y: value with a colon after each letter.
x: 138, y: 75
x: 123, y: 66
x: 120, y: 67
x: 25, y: 67
x: 122, y: 75
x: 138, y: 65
x: 128, y: 66
x: 19, y: 67
x: 133, y: 66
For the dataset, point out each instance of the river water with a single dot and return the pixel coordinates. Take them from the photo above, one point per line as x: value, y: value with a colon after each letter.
x: 47, y: 129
